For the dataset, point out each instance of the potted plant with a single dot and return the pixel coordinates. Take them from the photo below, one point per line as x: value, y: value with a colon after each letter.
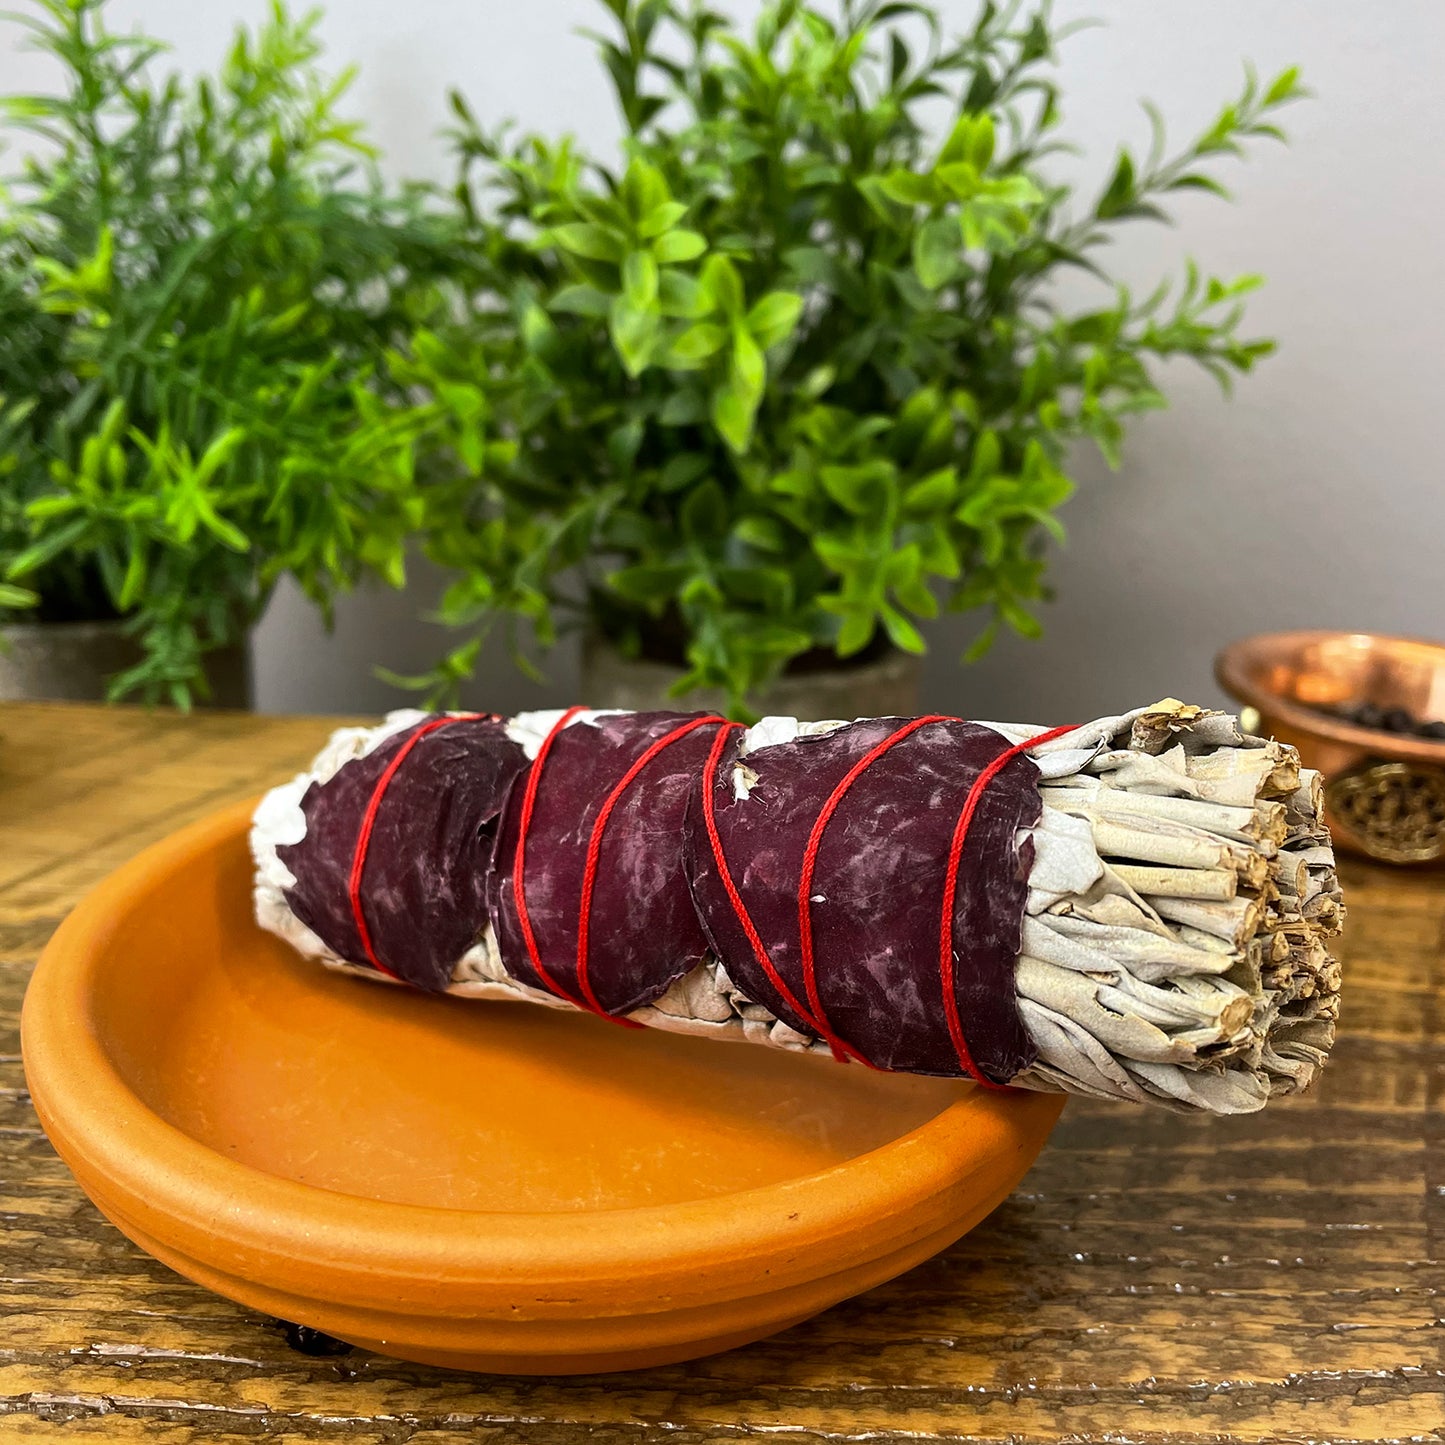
x: 197, y: 282
x: 762, y: 395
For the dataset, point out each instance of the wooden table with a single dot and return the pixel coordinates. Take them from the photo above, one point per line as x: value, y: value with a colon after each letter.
x: 1276, y: 1278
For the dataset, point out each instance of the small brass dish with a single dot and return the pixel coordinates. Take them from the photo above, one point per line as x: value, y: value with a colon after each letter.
x: 1385, y: 791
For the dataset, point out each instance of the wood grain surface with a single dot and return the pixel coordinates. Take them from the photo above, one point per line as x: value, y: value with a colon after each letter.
x: 1269, y: 1279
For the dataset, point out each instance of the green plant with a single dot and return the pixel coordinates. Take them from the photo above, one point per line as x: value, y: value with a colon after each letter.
x: 797, y: 366
x: 197, y: 282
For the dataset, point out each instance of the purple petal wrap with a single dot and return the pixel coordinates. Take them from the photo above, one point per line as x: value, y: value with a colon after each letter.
x: 424, y: 889
x: 644, y: 933
x: 878, y: 889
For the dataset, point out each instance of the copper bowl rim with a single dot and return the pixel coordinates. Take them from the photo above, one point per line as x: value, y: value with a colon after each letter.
x: 1231, y: 674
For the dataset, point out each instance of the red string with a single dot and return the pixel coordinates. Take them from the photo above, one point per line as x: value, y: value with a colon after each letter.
x: 950, y: 887
x: 709, y: 776
x: 529, y: 802
x: 594, y: 854
x: 810, y: 861
x: 368, y: 823
x: 813, y: 1015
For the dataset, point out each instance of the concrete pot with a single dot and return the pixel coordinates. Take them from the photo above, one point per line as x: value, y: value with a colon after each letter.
x: 887, y: 687
x: 74, y: 662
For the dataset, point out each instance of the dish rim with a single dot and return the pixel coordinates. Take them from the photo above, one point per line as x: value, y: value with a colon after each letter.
x: 384, y: 1255
x: 1231, y: 673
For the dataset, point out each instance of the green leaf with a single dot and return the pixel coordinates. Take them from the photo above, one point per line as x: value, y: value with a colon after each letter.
x: 908, y: 188
x: 767, y: 534
x: 772, y: 639
x: 792, y: 483
x: 1119, y: 194
x: 817, y: 382
x: 132, y: 585
x: 749, y: 371
x: 634, y: 334
x: 699, y: 591
x: 933, y: 493
x: 661, y: 218
x: 769, y: 587
x: 981, y: 142
x: 94, y: 277
x: 813, y: 266
x: 582, y: 300
x: 940, y: 555
x: 12, y: 596
x: 1020, y: 619
x: 901, y: 632
x: 1198, y: 181
x: 695, y: 345
x: 218, y: 453
x: 586, y: 239
x: 773, y: 318
x: 722, y: 286
x: 987, y: 457
x: 44, y: 509
x: 915, y: 594
x: 856, y: 633
x: 46, y: 549
x: 704, y: 513
x: 465, y: 401
x: 732, y: 415
x: 1285, y: 86
x: 897, y: 58
x: 683, y: 408
x: 971, y: 141
x: 960, y: 179
x: 935, y: 251
x: 681, y: 296
x: 224, y: 531
x: 858, y: 488
x: 623, y: 443
x: 539, y: 333
x: 682, y: 469
x: 678, y: 246
x: 982, y: 643
x: 639, y: 280
x: 649, y: 582
x: 643, y: 189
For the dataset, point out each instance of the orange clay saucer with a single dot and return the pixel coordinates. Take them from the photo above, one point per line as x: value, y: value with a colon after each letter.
x: 488, y: 1186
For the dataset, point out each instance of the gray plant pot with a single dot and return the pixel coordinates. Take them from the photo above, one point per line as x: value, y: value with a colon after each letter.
x: 74, y: 662
x: 888, y: 687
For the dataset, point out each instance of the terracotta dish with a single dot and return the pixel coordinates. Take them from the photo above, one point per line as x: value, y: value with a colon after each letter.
x: 476, y: 1185
x: 1385, y: 792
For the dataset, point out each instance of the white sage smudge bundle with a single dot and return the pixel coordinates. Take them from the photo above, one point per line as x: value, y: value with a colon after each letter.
x: 1136, y: 908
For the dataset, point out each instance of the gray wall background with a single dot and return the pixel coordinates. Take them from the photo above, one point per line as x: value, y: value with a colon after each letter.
x: 1311, y: 499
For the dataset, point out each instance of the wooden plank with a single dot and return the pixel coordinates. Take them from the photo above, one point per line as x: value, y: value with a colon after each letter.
x: 1153, y: 1280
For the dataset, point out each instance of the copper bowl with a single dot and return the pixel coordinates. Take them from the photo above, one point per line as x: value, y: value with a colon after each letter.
x: 1385, y: 792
